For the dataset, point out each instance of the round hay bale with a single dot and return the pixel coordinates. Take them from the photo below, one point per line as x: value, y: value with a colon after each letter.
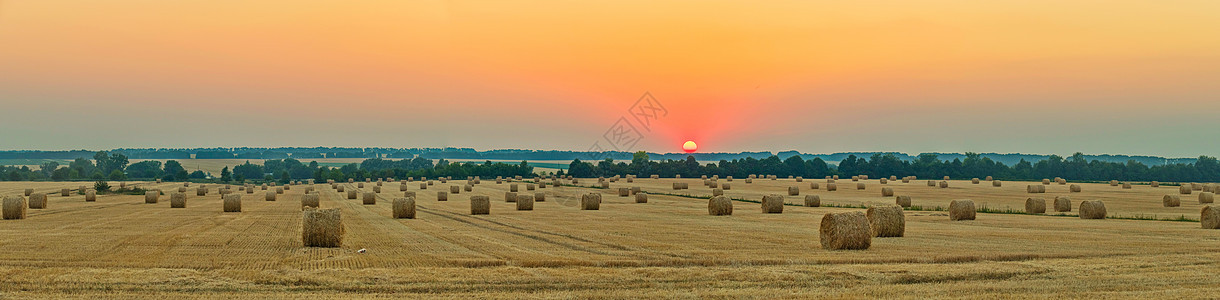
x: 885, y: 181
x: 830, y: 187
x: 944, y: 184
x: 453, y: 189
x: 510, y: 197
x: 635, y: 190
x: 1126, y: 186
x: 591, y: 201
x: 1113, y: 182
x: 1209, y: 217
x: 961, y: 210
x: 641, y: 197
x: 14, y: 208
x: 68, y: 192
x: 713, y: 184
x: 773, y: 204
x: 749, y: 180
x: 539, y: 197
x: 1184, y: 189
x: 906, y: 180
x: 932, y: 183
x: 28, y: 192
x: 845, y: 231
x: 855, y: 178
x: 835, y: 177
x: 201, y: 191
x: 886, y: 220
x: 1032, y: 189
x: 793, y: 191
x: 423, y: 186
x: 339, y: 188
x: 177, y: 200
x: 887, y: 192
x: 1207, y: 197
x: 1035, y: 206
x: 813, y: 201
x: 624, y: 192
x: 402, y: 187
x: 946, y: 178
x: 370, y: 198
x: 1063, y: 204
x: 232, y: 203
x: 531, y: 186
x: 1092, y: 209
x: 270, y: 196
x: 512, y: 188
x: 322, y: 227
x: 1046, y: 181
x: 311, y: 200
x: 525, y: 202
x: 90, y: 196
x: 430, y: 182
x: 351, y: 194
x: 1196, y: 186
x: 904, y: 201
x: 1075, y: 188
x: 1171, y: 201
x: 996, y: 183
x: 410, y: 194
x: 860, y: 186
x: 720, y: 206
x: 800, y: 179
x: 480, y: 205
x: 377, y: 189
x: 279, y: 190
x: 717, y: 192
x: 442, y: 196
x: 151, y: 196
x: 814, y: 186
x: 1155, y: 184
x: 403, y: 208
x: 251, y: 190
x: 974, y: 180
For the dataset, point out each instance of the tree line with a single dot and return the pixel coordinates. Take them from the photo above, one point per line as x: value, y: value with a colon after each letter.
x: 927, y: 165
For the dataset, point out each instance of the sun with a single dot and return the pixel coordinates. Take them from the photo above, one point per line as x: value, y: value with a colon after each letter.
x: 690, y: 146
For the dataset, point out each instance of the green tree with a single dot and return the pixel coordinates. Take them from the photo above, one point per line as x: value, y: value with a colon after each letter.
x: 117, y: 175
x: 225, y: 175
x: 174, y: 168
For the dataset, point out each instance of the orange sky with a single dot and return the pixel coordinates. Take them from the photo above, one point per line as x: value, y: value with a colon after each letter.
x: 814, y: 76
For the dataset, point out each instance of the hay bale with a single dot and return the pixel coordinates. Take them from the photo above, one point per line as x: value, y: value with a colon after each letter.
x: 1155, y: 184
x: 944, y: 184
x: 989, y: 178
x: 177, y: 200
x: 1196, y: 186
x: 845, y: 231
x: 468, y: 188
x: 151, y: 196
x: 311, y: 200
x: 961, y: 210
x: 1171, y: 201
x: 510, y: 196
x: 14, y: 208
x: 1075, y: 188
x: 1126, y: 186
x: 624, y: 192
x: 814, y: 186
x: 932, y: 183
x: 813, y: 201
x: 606, y: 184
x: 279, y: 190
x: 884, y: 181
x: 442, y: 196
x: 717, y: 192
x: 232, y: 203
x: 860, y: 186
x: 270, y: 196
x: 28, y: 192
x: 830, y: 187
x: 591, y: 201
x: 1063, y: 204
x: 772, y: 204
x: 480, y: 205
x: 403, y: 208
x: 376, y: 189
x: 539, y: 197
x: 1092, y: 209
x: 1209, y: 217
x: 1207, y: 197
x: 512, y: 188
x: 793, y: 191
x: 1046, y: 181
x: 1035, y: 206
x: 904, y: 201
x: 251, y: 190
x: 886, y: 220
x: 322, y: 228
x: 800, y: 179
x: 525, y: 202
x: 1184, y: 189
x: 369, y: 199
x: 1113, y: 182
x: 339, y: 188
x: 720, y: 206
x: 351, y: 194
x: 1034, y: 189
x: 906, y: 180
x: 65, y: 192
x: 855, y: 178
x: 201, y: 191
x: 946, y: 178
x: 887, y: 192
x: 453, y: 189
x: 90, y: 196
x: 713, y: 184
x: 974, y: 180
x: 641, y: 197
x: 749, y: 180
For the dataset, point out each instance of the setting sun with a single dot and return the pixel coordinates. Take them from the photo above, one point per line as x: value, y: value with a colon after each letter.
x: 690, y: 146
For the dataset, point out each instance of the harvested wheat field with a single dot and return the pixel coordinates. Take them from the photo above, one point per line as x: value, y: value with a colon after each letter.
x: 668, y: 246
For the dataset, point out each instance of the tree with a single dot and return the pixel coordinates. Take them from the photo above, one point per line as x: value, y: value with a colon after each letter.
x: 198, y: 174
x: 225, y: 175
x: 117, y: 175
x: 175, y: 170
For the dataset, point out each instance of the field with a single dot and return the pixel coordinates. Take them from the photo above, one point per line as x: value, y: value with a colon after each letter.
x: 666, y: 248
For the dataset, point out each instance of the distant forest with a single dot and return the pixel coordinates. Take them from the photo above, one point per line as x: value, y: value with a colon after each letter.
x: 1010, y: 159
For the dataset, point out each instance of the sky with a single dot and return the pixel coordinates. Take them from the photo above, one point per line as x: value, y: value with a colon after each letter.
x: 1029, y: 76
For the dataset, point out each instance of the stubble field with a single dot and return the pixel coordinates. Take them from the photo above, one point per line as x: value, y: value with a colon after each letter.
x: 668, y: 247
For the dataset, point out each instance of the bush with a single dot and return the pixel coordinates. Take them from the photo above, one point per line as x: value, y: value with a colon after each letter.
x: 101, y: 186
